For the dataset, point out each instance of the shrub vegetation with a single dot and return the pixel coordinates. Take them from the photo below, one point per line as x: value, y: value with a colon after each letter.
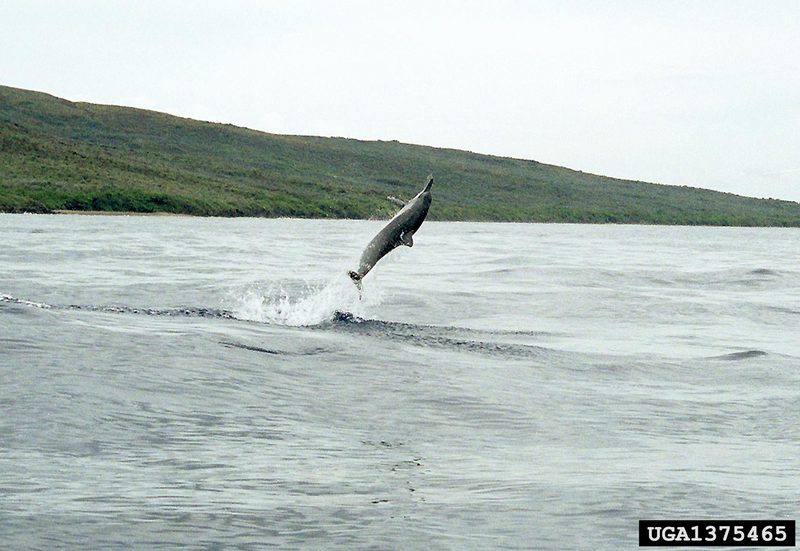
x: 56, y: 154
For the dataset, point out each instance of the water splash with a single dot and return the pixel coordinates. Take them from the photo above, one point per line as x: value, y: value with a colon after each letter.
x: 304, y: 303
x: 287, y: 303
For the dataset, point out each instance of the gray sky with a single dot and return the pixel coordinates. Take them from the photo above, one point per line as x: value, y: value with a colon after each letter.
x: 699, y: 93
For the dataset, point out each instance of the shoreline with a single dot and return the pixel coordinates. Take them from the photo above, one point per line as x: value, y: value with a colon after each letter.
x: 113, y: 213
x: 184, y: 215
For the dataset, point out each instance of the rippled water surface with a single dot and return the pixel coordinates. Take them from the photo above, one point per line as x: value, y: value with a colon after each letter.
x: 218, y: 383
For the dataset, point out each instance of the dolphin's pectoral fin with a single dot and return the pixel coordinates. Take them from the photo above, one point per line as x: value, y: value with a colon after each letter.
x: 396, y: 201
x: 406, y: 239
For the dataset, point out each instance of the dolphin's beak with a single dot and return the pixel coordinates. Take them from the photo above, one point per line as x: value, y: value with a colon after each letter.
x: 429, y: 184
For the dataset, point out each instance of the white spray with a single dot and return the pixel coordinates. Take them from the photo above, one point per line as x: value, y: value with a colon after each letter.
x: 303, y: 304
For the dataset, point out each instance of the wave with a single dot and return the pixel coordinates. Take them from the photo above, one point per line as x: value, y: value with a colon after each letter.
x: 311, y: 307
x: 23, y: 302
x: 743, y: 355
x: 274, y: 352
x: 718, y: 279
x: 186, y: 312
x: 320, y: 308
x: 764, y: 272
x: 434, y: 336
x: 291, y: 304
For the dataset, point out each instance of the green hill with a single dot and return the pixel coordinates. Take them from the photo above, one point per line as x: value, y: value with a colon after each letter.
x: 56, y: 154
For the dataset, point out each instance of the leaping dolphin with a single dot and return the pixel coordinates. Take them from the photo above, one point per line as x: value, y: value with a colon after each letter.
x: 398, y: 231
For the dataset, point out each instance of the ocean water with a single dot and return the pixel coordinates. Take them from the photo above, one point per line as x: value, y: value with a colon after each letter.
x: 193, y: 383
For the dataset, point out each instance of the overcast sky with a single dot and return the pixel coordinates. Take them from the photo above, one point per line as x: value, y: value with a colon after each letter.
x: 698, y: 93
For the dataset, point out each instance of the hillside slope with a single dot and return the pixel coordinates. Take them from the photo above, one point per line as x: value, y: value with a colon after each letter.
x: 56, y: 154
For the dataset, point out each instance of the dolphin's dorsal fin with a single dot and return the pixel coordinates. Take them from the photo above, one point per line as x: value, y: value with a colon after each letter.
x: 395, y: 200
x: 406, y: 239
